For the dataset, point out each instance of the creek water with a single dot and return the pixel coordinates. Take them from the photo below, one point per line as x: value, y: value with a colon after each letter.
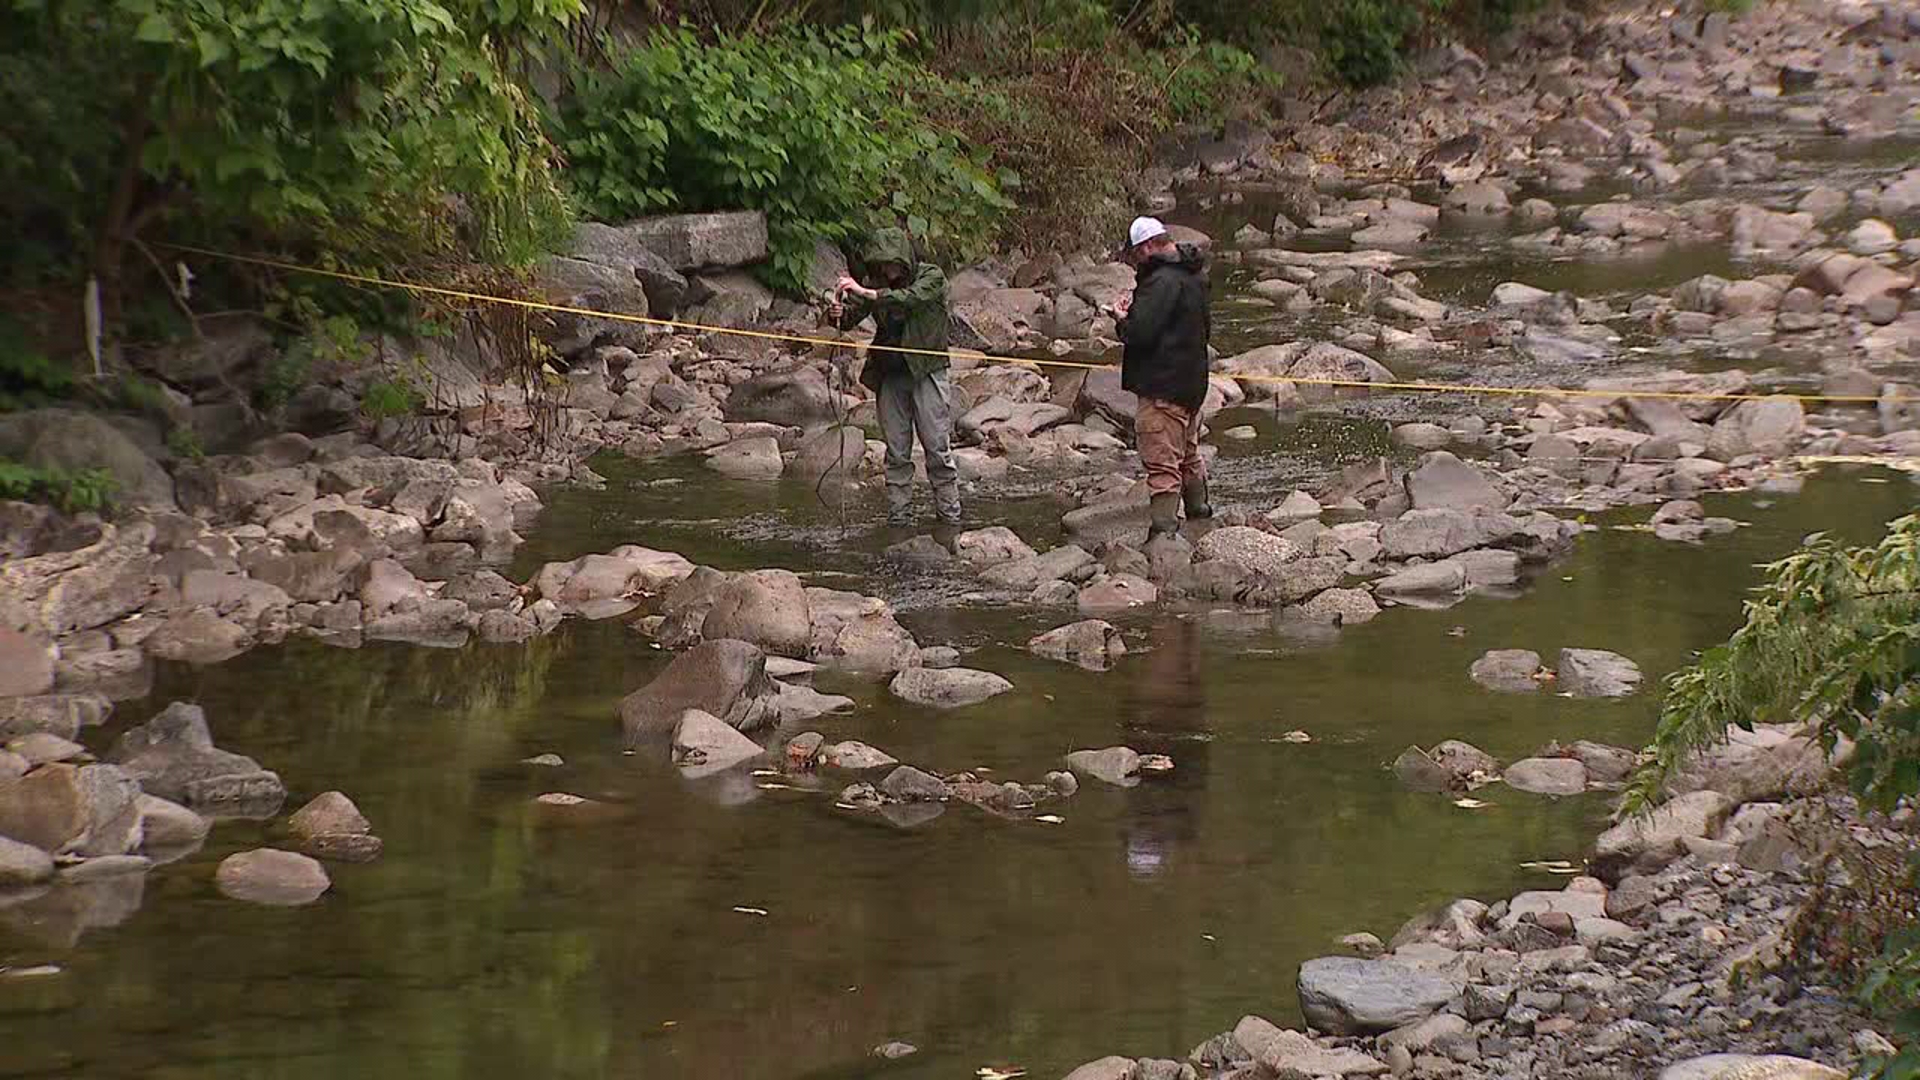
x: 745, y: 928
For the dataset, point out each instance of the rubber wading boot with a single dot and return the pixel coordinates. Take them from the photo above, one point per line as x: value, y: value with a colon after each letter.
x: 1199, y: 507
x: 1166, y: 516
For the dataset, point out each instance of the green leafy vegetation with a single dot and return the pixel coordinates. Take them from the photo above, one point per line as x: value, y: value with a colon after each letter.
x: 819, y: 129
x: 390, y: 397
x: 378, y: 130
x: 1832, y: 638
x: 74, y: 492
x: 28, y: 376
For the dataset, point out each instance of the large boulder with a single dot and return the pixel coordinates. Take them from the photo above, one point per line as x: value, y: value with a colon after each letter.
x: 1649, y: 841
x: 62, y: 809
x: 63, y: 592
x: 766, y: 608
x: 615, y: 247
x: 947, y: 688
x: 72, y: 440
x: 703, y: 241
x: 727, y: 679
x: 1350, y: 996
x: 1090, y: 643
x: 197, y: 636
x: 173, y: 756
x: 1547, y: 776
x: 581, y: 286
x: 168, y: 826
x: 56, y: 714
x: 1770, y: 426
x: 1325, y: 362
x: 1444, y: 482
x: 1439, y: 533
x: 858, y: 633
x: 796, y: 397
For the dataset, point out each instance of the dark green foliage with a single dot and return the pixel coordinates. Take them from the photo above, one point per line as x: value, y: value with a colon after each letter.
x: 392, y: 397
x: 819, y: 129
x: 28, y: 376
x: 73, y: 492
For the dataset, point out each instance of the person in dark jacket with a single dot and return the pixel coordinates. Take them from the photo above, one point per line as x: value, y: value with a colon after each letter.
x: 908, y: 303
x: 1164, y: 326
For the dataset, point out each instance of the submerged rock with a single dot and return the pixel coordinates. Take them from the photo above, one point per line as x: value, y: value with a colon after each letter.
x: 1547, y: 776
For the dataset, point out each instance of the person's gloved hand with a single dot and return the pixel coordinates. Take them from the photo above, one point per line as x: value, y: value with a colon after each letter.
x: 846, y: 284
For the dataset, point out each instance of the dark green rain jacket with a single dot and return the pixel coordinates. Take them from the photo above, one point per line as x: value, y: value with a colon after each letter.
x: 913, y: 316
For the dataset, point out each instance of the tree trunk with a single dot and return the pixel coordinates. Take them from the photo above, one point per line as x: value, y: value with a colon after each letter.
x: 119, y: 223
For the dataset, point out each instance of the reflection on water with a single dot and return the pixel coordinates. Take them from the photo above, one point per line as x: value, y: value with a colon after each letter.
x: 491, y: 941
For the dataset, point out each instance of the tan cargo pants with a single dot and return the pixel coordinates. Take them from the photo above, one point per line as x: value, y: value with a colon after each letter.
x: 1169, y: 440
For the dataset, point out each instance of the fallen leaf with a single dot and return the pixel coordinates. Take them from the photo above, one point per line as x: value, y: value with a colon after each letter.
x: 1050, y: 819
x: 1296, y: 737
x: 762, y: 912
x: 1552, y: 866
x: 989, y: 1072
x: 1471, y: 804
x: 766, y: 772
x: 1156, y: 763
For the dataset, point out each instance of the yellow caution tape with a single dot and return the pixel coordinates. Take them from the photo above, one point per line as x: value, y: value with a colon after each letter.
x: 802, y: 339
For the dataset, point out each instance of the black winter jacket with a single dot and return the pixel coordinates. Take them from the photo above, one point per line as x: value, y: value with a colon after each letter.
x: 1166, y: 330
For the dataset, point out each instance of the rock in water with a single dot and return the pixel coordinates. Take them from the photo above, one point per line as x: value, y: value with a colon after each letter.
x: 1749, y: 1067
x: 1444, y: 482
x: 947, y: 688
x: 167, y: 825
x: 1261, y: 552
x: 766, y: 608
x: 1597, y: 673
x: 704, y: 744
x: 332, y: 827
x: 1349, y: 996
x: 271, y: 876
x: 725, y: 678
x: 173, y: 756
x: 1107, y: 1068
x: 1090, y: 643
x: 1508, y: 670
x: 1118, y: 765
x: 87, y: 810
x: 909, y: 784
x: 23, y: 864
x: 1547, y: 776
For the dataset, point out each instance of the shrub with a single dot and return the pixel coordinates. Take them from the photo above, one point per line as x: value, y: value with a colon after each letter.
x: 391, y: 397
x: 820, y: 129
x: 72, y: 491
x: 1831, y: 638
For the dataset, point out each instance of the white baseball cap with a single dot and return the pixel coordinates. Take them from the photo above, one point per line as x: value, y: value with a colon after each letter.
x: 1144, y: 229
